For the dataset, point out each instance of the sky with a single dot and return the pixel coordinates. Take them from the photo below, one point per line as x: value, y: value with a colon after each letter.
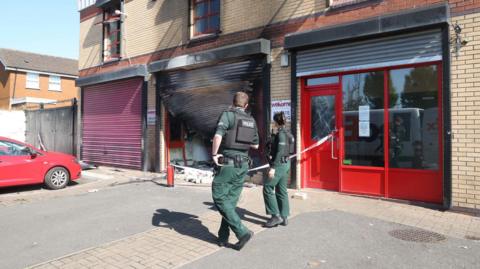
x: 41, y: 26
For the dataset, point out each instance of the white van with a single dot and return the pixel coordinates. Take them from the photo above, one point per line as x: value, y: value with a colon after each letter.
x: 421, y: 134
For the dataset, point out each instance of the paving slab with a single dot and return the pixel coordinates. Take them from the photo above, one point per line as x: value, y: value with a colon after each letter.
x: 335, y: 239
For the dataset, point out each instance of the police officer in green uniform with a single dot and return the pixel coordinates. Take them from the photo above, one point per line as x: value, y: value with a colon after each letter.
x: 275, y: 192
x: 236, y: 133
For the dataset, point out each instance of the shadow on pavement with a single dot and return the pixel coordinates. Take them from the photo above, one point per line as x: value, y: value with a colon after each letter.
x: 244, y: 214
x: 183, y: 223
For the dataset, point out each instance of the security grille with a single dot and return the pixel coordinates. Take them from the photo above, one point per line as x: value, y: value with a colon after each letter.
x: 380, y: 52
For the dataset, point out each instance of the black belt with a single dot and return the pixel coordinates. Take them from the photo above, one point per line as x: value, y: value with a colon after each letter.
x: 236, y: 160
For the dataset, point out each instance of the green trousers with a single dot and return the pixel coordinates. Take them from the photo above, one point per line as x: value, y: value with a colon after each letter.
x: 226, y: 189
x: 275, y: 192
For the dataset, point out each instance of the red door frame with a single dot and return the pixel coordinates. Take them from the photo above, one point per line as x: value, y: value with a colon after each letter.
x: 305, y: 97
x: 173, y: 144
x: 307, y: 93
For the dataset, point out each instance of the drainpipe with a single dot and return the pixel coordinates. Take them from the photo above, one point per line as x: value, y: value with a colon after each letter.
x: 14, y: 87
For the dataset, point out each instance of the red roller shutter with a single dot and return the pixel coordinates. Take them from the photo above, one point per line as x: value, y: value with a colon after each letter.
x: 112, y: 123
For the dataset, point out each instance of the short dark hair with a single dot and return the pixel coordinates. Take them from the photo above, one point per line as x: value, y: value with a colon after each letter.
x: 279, y: 118
x: 240, y: 99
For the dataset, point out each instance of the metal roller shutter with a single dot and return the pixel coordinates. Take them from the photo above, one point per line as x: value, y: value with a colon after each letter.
x: 112, y: 124
x: 395, y: 50
x: 199, y: 96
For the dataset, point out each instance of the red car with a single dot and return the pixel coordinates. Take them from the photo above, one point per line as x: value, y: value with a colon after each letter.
x: 22, y: 164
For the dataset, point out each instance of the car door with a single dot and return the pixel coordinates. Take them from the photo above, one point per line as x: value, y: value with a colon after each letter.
x: 17, y: 166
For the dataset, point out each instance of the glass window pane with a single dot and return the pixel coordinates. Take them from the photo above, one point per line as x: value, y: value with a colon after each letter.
x: 13, y: 149
x: 363, y: 112
x: 323, y: 116
x: 214, y: 23
x: 201, y: 26
x: 32, y: 81
x: 215, y: 6
x: 54, y: 83
x: 413, y: 118
x: 322, y: 81
x: 201, y: 9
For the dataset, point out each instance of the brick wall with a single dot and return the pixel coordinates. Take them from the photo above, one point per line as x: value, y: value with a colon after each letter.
x: 465, y: 87
x: 280, y: 77
x: 158, y: 25
x: 4, y: 89
x: 151, y: 139
x: 162, y: 140
x: 248, y: 14
x: 158, y: 29
x: 67, y: 86
x: 154, y: 25
x: 151, y: 143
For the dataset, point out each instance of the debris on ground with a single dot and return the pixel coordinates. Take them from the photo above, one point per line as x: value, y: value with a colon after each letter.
x: 300, y: 196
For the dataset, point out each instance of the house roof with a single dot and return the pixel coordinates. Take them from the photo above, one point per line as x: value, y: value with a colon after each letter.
x: 38, y: 62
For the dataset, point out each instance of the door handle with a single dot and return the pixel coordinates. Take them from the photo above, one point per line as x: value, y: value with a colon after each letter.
x: 332, y: 139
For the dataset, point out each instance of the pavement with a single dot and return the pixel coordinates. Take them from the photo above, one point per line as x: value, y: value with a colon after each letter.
x: 34, y: 232
x: 328, y: 229
x: 336, y: 239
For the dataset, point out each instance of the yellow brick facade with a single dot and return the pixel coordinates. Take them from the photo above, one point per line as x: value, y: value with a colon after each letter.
x: 152, y: 26
x: 151, y: 129
x: 465, y: 97
x: 247, y: 14
x: 150, y: 146
x: 280, y: 77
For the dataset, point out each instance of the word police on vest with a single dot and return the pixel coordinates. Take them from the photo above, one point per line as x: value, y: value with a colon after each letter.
x: 246, y: 131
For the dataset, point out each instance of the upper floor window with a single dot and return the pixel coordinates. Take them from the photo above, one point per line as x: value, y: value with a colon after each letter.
x: 33, y: 81
x: 112, y: 32
x: 54, y: 83
x: 206, y: 17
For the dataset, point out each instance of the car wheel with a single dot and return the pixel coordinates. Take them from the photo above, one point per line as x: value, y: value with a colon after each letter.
x: 57, y: 178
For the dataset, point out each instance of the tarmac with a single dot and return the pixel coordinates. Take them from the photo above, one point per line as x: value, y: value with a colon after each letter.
x: 328, y: 229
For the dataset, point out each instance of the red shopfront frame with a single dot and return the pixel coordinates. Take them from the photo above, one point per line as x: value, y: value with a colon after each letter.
x: 398, y: 183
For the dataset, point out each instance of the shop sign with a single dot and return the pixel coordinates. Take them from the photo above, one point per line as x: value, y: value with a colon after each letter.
x: 151, y: 117
x: 279, y: 106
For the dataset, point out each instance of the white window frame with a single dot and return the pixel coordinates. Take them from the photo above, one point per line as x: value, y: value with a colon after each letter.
x: 336, y: 4
x: 32, y: 82
x: 55, y: 83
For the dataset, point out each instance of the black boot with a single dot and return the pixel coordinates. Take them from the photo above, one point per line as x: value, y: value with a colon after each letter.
x: 222, y: 243
x: 243, y: 240
x: 273, y: 222
x: 285, y: 221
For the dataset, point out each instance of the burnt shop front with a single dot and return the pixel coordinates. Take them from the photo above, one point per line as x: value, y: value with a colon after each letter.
x: 384, y: 101
x: 195, y: 89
